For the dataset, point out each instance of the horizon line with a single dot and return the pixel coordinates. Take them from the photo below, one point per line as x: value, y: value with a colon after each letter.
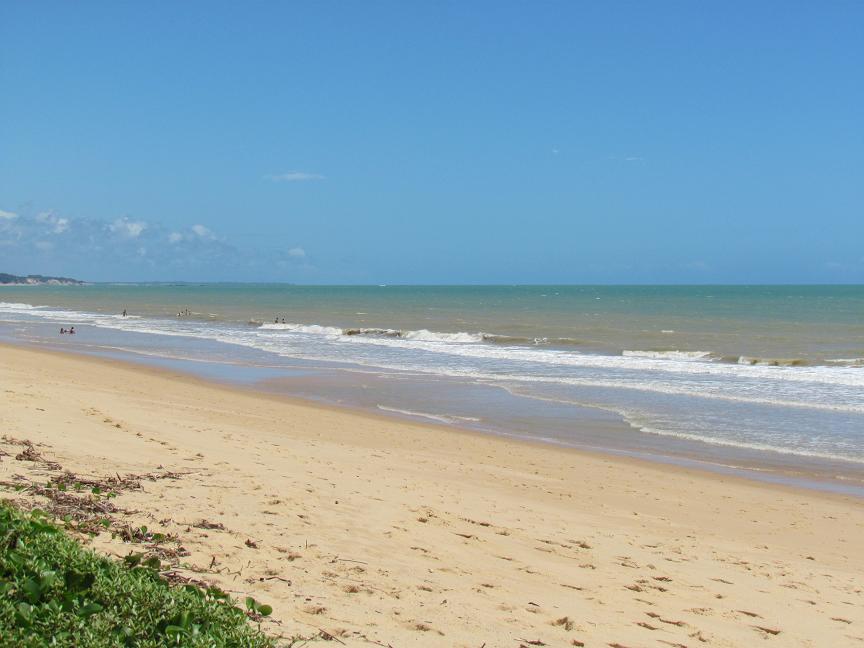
x: 435, y: 285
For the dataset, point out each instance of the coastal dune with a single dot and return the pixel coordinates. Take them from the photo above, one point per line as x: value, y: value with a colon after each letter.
x: 374, y: 531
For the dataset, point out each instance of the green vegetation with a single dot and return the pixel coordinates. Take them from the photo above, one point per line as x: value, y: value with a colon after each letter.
x: 55, y: 592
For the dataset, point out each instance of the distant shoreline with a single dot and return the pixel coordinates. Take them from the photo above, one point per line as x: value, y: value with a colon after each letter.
x: 37, y: 280
x: 45, y: 283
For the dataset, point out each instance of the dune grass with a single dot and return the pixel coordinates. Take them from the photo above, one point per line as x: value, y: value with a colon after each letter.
x: 55, y: 592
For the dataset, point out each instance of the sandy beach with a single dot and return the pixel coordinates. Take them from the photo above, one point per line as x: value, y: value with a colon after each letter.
x: 382, y: 532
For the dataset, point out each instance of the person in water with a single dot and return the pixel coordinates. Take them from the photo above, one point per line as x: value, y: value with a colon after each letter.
x: 124, y: 312
x: 71, y: 330
x: 62, y: 331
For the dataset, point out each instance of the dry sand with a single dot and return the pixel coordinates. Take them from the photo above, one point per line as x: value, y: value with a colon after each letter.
x: 383, y: 532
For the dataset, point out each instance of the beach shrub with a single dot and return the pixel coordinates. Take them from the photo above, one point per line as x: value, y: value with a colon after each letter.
x: 55, y: 592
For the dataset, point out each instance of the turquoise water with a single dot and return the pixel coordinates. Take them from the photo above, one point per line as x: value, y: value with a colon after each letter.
x: 769, y: 376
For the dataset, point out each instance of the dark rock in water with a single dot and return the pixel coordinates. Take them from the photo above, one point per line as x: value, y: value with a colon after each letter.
x: 37, y: 280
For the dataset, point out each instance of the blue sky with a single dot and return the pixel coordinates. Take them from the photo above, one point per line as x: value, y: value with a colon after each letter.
x: 433, y: 142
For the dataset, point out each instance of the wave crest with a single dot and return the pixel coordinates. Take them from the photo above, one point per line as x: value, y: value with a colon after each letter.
x: 315, y: 329
x: 422, y: 335
x: 772, y: 362
x: 431, y: 336
x: 846, y: 362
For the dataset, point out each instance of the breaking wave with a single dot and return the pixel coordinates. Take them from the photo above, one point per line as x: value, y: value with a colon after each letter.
x: 422, y: 335
x: 846, y: 362
x: 315, y: 329
x: 772, y: 362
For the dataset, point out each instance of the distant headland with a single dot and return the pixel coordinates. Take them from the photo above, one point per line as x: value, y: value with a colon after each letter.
x: 37, y: 280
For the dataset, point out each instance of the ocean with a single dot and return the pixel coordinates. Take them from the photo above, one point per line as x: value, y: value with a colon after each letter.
x: 768, y: 380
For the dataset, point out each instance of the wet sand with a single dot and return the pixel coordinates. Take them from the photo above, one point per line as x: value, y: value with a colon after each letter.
x: 385, y: 532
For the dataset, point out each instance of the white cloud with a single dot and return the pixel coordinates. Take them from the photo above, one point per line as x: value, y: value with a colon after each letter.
x: 128, y: 228
x: 202, y: 232
x: 124, y: 247
x: 626, y: 158
x: 294, y: 176
x: 56, y: 224
x: 7, y: 215
x: 60, y: 225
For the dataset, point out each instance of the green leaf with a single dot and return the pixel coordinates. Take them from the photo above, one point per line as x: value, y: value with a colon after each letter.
x: 133, y: 559
x: 217, y: 593
x: 69, y: 601
x: 78, y: 582
x: 89, y: 609
x: 47, y: 579
x: 33, y: 590
x: 44, y: 527
x: 23, y: 614
x: 264, y: 610
x: 193, y: 589
x: 250, y: 603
